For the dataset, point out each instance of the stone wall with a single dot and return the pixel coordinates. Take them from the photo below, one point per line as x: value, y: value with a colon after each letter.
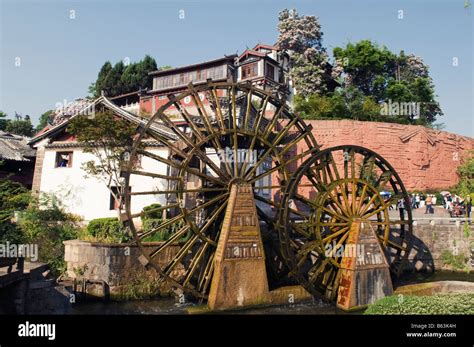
x: 424, y: 158
x: 430, y: 241
x: 109, y: 262
x: 115, y: 264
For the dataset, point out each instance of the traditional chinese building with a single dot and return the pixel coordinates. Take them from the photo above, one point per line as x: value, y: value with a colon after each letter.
x: 60, y: 159
x: 17, y: 159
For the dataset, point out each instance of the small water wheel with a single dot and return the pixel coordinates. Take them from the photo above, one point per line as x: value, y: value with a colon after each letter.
x: 347, y: 184
x: 227, y: 133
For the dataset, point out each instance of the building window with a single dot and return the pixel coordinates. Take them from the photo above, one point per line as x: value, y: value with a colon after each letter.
x: 270, y: 72
x: 249, y: 70
x: 63, y: 159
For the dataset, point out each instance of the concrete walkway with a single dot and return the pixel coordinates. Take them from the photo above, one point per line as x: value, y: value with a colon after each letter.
x: 440, y: 216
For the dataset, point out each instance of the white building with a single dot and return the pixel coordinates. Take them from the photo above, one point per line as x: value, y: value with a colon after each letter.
x: 59, y: 162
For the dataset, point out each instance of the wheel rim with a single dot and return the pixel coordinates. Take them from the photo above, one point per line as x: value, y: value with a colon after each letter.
x: 319, y: 219
x: 229, y: 120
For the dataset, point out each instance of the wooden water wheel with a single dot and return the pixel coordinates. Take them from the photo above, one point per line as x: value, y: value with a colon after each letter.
x: 222, y: 133
x: 347, y: 183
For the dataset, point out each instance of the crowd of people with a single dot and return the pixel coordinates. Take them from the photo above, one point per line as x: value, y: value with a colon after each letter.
x: 456, y: 206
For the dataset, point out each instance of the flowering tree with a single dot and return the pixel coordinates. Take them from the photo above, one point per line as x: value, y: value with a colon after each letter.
x: 301, y: 38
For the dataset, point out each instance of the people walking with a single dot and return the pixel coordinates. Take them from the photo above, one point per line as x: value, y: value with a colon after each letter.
x: 428, y: 204
x: 401, y: 208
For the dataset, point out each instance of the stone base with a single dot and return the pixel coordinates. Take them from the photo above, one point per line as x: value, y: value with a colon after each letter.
x: 281, y: 296
x: 364, y: 276
x: 240, y: 277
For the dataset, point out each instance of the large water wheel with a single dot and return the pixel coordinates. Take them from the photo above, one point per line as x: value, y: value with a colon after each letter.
x: 227, y: 133
x: 220, y: 134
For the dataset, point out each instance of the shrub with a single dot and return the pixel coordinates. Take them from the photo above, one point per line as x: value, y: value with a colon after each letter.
x: 46, y: 224
x: 108, y: 230
x: 163, y: 234
x: 457, y: 262
x: 142, y: 285
x: 150, y: 213
x: 152, y: 219
x: 436, y: 304
x: 13, y: 197
x: 152, y: 223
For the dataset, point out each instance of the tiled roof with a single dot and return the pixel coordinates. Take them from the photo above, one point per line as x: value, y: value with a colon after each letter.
x: 158, y: 128
x: 14, y: 147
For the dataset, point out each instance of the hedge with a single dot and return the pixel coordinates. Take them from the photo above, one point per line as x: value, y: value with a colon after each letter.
x: 107, y: 230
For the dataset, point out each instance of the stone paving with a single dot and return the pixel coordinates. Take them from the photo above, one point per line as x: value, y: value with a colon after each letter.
x: 440, y: 216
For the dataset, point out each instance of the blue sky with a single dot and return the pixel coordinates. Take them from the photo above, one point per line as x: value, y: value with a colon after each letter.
x: 60, y: 56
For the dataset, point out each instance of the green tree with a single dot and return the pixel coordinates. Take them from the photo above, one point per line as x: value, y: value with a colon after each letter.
x: 387, y: 77
x: 45, y: 119
x: 3, y: 121
x: 96, y: 88
x: 368, y: 65
x: 108, y: 138
x: 120, y: 79
x: 130, y: 79
x: 465, y: 186
x: 147, y: 65
x: 344, y: 103
x: 20, y: 126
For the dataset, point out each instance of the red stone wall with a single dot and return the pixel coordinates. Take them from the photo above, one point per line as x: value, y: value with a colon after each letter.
x: 424, y: 158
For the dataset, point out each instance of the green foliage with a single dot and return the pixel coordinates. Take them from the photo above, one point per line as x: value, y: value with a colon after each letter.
x: 45, y: 119
x: 13, y: 197
x: 25, y: 220
x: 368, y: 65
x: 164, y: 233
x: 151, y: 211
x: 152, y: 219
x: 142, y: 285
x: 348, y: 103
x: 20, y: 126
x: 152, y: 223
x: 102, y: 82
x: 108, y: 230
x: 465, y: 186
x: 121, y: 79
x: 457, y: 262
x: 436, y: 304
x: 46, y: 224
x: 3, y: 121
x: 108, y: 138
x: 386, y: 77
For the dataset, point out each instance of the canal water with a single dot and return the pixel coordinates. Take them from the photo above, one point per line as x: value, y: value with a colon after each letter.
x: 168, y: 306
x: 164, y: 306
